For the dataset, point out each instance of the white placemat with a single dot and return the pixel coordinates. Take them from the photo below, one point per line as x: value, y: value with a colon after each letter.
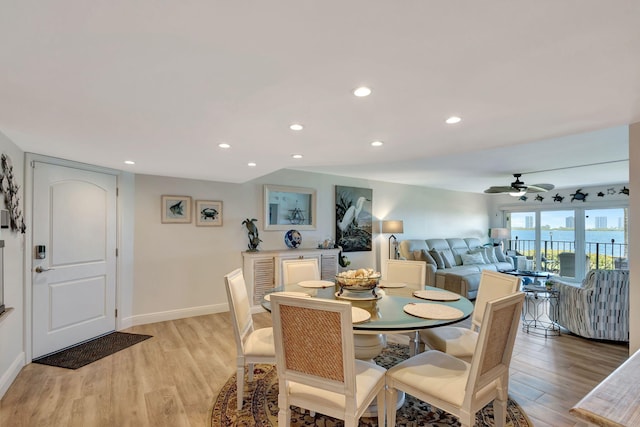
x: 433, y: 311
x: 359, y: 315
x: 316, y: 284
x: 385, y: 284
x: 288, y: 294
x: 437, y: 295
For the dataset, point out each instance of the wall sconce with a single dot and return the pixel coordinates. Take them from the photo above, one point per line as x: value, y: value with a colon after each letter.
x: 393, y: 226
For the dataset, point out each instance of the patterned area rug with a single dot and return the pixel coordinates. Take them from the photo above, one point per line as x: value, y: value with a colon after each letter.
x: 261, y: 404
x: 82, y: 354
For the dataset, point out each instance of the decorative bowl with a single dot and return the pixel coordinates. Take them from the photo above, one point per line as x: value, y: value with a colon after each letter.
x: 358, y: 284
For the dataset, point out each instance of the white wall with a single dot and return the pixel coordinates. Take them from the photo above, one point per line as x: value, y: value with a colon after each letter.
x: 179, y: 268
x: 634, y: 236
x: 12, y: 355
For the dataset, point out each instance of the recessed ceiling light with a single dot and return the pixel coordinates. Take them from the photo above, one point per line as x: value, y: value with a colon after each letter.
x: 362, y: 91
x: 297, y: 156
x: 453, y: 120
x: 224, y: 145
x: 129, y: 162
x: 252, y: 164
x: 377, y: 143
x: 296, y: 126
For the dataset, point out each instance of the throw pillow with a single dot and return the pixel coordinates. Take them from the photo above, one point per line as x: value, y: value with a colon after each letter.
x: 447, y: 257
x: 500, y: 255
x: 437, y: 258
x: 491, y: 255
x: 423, y: 255
x: 472, y: 258
x: 481, y: 250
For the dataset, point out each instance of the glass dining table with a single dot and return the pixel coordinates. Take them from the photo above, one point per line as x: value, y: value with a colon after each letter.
x: 387, y: 315
x: 386, y: 310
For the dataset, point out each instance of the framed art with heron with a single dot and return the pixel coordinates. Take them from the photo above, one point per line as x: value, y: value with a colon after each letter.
x: 353, y: 218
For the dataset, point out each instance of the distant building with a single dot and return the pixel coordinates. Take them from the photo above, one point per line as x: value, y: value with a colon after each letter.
x: 601, y: 222
x: 528, y: 221
x: 570, y: 222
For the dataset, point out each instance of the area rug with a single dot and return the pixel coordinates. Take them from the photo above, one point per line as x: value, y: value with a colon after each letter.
x: 261, y: 404
x: 82, y: 354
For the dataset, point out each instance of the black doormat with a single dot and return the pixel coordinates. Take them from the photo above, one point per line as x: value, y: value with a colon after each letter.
x: 82, y: 354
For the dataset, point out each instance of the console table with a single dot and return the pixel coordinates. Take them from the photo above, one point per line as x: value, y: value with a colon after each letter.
x: 263, y: 269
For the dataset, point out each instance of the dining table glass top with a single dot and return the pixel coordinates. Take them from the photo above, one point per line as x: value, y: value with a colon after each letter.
x: 386, y: 310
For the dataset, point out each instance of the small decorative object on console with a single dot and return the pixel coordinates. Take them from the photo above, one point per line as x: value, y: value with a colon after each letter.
x: 252, y: 233
x: 293, y: 239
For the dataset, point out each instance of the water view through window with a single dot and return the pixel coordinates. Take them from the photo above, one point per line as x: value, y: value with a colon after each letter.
x: 601, y: 234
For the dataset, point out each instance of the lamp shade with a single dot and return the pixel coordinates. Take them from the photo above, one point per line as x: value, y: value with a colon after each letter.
x: 499, y: 233
x: 392, y: 226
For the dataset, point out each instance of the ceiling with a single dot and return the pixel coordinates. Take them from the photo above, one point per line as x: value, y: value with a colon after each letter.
x: 540, y: 86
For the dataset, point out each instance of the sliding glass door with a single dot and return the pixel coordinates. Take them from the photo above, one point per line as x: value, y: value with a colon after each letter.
x: 571, y: 242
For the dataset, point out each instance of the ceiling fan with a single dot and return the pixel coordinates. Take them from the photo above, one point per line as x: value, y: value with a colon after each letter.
x: 519, y: 188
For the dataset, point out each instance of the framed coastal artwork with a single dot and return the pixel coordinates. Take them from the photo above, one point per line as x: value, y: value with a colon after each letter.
x: 176, y: 209
x: 353, y: 218
x: 208, y: 213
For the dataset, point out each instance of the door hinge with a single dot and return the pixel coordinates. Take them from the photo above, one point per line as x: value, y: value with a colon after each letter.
x: 117, y: 191
x: 116, y: 312
x: 116, y: 251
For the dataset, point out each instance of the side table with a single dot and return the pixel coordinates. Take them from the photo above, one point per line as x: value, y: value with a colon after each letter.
x: 540, y: 311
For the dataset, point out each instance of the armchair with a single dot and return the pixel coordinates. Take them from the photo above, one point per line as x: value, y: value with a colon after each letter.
x: 598, y: 308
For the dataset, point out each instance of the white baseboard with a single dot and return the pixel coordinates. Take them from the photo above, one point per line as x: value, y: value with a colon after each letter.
x: 143, y: 319
x: 10, y: 374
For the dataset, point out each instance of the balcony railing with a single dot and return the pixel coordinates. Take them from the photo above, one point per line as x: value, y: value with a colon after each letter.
x: 604, y: 256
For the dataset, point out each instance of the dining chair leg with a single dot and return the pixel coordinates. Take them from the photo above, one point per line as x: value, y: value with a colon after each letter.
x: 390, y: 405
x: 284, y: 414
x: 240, y: 385
x: 467, y: 419
x: 250, y: 372
x: 381, y: 408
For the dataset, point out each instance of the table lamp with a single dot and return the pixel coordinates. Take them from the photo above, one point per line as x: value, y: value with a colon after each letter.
x: 393, y: 226
x: 499, y: 234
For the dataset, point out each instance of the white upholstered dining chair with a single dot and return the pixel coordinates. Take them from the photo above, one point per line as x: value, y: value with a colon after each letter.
x: 458, y: 387
x: 316, y: 364
x: 459, y: 341
x: 252, y: 345
x: 297, y: 270
x: 414, y: 275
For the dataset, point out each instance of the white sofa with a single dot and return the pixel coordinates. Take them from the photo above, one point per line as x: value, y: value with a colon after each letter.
x: 465, y: 259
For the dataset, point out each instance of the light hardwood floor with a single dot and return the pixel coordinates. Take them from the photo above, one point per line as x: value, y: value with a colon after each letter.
x: 172, y: 379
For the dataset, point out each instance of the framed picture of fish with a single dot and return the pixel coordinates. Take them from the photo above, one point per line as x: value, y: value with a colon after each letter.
x: 176, y: 209
x: 208, y: 213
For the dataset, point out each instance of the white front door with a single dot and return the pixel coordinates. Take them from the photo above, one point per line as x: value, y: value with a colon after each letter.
x: 74, y: 285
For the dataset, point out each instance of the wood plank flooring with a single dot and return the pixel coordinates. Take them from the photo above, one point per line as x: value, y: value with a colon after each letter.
x: 173, y: 378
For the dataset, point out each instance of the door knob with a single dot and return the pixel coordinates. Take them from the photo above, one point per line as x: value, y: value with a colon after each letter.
x: 39, y: 269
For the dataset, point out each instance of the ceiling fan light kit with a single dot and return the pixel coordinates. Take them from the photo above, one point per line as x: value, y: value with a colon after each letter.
x: 519, y: 188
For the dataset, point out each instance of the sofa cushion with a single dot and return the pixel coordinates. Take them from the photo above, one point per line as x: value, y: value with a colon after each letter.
x: 482, y: 252
x: 458, y: 247
x: 472, y: 258
x: 437, y: 258
x: 491, y: 255
x: 448, y: 258
x: 500, y: 255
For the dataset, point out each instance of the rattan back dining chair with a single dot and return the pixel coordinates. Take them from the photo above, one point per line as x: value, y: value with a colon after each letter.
x: 459, y: 341
x: 297, y: 270
x: 252, y: 345
x: 458, y: 387
x: 316, y: 364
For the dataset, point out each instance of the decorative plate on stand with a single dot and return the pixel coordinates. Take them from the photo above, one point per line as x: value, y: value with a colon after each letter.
x: 293, y: 239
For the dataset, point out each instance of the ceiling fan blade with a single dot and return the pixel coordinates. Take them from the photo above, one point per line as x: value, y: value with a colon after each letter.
x: 540, y: 188
x: 497, y: 190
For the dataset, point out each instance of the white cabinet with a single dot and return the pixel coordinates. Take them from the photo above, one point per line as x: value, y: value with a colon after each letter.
x: 263, y: 269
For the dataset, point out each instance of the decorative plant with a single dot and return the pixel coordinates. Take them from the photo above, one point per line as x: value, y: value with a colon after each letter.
x: 252, y: 232
x: 11, y: 196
